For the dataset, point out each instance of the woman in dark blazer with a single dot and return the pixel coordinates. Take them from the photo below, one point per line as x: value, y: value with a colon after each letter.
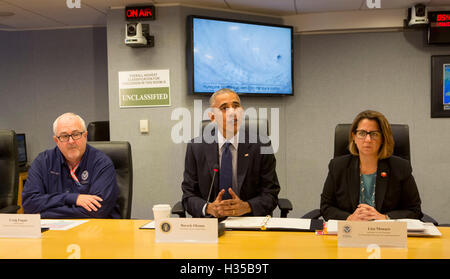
x: 370, y: 183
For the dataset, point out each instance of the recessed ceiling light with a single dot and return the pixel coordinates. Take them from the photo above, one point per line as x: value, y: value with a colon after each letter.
x: 6, y: 13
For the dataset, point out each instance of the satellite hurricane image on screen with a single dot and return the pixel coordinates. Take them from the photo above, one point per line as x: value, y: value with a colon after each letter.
x: 446, y: 88
x: 247, y: 58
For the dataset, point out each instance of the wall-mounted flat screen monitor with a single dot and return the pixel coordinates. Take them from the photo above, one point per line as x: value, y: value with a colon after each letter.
x: 250, y: 58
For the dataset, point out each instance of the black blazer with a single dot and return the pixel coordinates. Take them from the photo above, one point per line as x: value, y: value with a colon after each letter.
x: 396, y: 194
x: 257, y: 178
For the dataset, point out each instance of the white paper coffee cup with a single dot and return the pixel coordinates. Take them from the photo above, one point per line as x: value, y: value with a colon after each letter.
x: 161, y: 211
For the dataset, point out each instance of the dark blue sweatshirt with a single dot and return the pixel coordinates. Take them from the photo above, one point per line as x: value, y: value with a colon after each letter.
x: 51, y: 191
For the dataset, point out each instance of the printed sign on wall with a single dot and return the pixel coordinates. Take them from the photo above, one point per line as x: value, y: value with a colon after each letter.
x: 150, y: 88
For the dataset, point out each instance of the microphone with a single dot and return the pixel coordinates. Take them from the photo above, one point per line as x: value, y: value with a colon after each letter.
x: 215, y: 169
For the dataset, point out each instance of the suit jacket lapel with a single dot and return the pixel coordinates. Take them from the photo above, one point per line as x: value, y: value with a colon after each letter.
x: 354, y: 181
x: 212, y: 158
x: 381, y: 183
x: 242, y: 159
x: 242, y: 164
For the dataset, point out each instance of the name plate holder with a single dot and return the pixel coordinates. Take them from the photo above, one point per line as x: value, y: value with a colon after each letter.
x: 192, y: 230
x: 363, y: 234
x: 20, y: 225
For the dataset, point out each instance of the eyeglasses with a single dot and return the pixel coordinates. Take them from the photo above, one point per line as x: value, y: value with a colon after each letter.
x: 362, y: 134
x: 74, y: 136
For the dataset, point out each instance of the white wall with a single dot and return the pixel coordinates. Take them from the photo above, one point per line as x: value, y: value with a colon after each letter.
x: 46, y: 73
x: 338, y: 76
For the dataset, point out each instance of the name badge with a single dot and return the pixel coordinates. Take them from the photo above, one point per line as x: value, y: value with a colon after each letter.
x: 363, y: 234
x: 195, y: 230
x: 20, y: 225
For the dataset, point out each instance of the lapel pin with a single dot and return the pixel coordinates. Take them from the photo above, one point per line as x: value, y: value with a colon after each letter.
x: 383, y: 174
x: 246, y: 155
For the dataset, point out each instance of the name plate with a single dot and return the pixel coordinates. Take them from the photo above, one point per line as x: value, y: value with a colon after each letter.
x: 20, y: 225
x: 195, y: 230
x: 363, y: 234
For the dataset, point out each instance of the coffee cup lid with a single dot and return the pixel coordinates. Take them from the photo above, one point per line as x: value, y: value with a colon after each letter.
x: 161, y: 206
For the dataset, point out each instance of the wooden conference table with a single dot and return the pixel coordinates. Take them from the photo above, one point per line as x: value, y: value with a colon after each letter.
x: 122, y: 239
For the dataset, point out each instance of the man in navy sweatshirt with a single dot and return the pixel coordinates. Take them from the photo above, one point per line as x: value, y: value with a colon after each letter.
x: 73, y: 179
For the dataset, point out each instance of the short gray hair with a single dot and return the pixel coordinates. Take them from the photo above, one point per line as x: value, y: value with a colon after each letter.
x: 221, y: 91
x: 55, y: 123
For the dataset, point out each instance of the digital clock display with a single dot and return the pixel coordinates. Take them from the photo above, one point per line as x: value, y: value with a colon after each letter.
x: 439, y: 28
x: 443, y: 17
x: 440, y: 19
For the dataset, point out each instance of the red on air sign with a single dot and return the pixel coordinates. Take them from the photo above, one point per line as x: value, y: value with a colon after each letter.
x: 140, y: 13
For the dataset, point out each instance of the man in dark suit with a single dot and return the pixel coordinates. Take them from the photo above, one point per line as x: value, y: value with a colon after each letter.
x: 229, y: 175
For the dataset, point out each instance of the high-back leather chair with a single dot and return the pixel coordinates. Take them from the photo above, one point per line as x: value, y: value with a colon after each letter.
x: 253, y: 128
x: 9, y: 172
x: 120, y: 154
x: 98, y: 131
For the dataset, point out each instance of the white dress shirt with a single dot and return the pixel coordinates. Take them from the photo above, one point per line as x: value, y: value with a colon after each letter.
x: 233, y: 149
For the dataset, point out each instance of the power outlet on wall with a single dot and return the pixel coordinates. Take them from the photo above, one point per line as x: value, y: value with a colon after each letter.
x: 143, y: 126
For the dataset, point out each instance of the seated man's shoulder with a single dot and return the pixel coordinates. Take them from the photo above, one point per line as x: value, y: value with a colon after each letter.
x: 200, y: 142
x: 47, y: 156
x: 264, y: 140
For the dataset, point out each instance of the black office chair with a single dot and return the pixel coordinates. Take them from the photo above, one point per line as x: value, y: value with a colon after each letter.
x: 9, y: 172
x: 254, y: 128
x: 120, y: 154
x: 98, y: 131
x: 400, y: 132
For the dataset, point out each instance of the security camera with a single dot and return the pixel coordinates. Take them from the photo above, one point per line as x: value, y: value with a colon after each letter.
x: 137, y: 35
x: 417, y: 15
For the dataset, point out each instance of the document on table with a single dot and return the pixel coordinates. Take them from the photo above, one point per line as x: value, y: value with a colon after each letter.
x: 412, y: 225
x: 267, y: 223
x: 149, y: 225
x: 61, y: 225
x: 429, y: 230
x: 263, y: 223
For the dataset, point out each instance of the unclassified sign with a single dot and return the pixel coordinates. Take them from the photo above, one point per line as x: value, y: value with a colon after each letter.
x: 150, y: 88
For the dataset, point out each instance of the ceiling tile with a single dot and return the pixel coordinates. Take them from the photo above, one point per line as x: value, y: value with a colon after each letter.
x: 439, y: 2
x: 24, y: 19
x: 279, y: 7
x: 59, y: 12
x: 397, y: 4
x: 315, y: 6
x: 56, y: 14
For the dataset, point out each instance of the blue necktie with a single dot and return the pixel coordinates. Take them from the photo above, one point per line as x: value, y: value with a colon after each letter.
x: 226, y: 171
